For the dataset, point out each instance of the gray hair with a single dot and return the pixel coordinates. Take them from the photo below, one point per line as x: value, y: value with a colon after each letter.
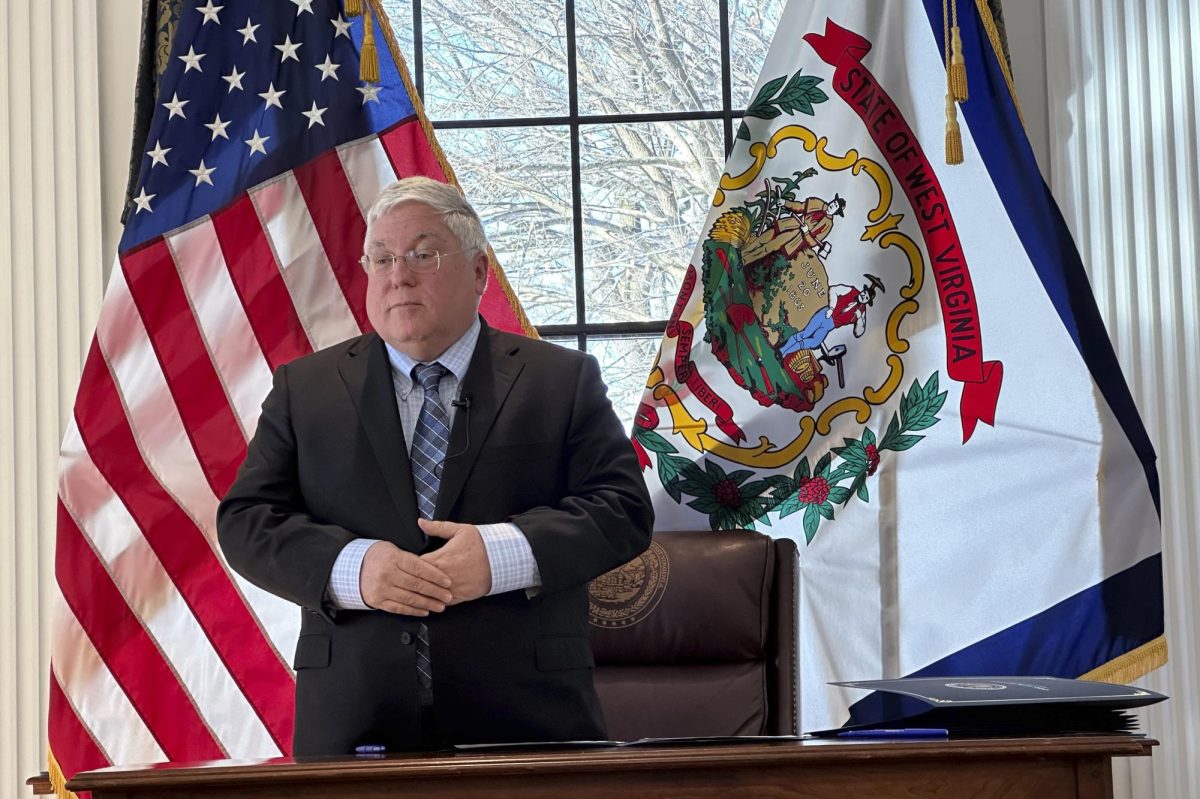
x: 443, y: 198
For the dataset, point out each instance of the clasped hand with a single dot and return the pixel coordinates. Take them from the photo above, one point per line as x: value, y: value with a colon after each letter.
x: 417, y: 585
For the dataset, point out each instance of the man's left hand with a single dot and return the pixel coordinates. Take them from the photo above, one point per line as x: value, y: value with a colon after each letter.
x: 464, y: 558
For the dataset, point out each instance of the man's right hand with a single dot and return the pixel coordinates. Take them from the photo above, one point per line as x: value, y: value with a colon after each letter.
x: 400, y: 582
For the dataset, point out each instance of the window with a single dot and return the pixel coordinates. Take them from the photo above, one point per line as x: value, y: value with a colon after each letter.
x: 590, y: 135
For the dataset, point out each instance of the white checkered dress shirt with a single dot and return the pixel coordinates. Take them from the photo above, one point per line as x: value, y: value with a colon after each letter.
x: 509, y: 555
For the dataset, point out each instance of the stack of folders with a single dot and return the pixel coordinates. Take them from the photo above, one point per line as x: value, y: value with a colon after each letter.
x: 987, y: 707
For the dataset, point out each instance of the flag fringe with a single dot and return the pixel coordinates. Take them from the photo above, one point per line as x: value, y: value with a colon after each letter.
x: 57, y: 780
x: 993, y: 34
x: 353, y: 8
x: 1133, y: 664
x: 385, y: 25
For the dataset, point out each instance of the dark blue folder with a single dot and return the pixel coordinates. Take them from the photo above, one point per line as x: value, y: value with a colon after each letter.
x: 980, y: 707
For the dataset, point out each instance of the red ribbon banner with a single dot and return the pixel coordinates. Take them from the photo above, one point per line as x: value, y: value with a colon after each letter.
x: 686, y: 371
x: 854, y: 83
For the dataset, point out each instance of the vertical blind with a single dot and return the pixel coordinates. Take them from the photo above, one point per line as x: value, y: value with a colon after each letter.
x: 50, y: 284
x: 1122, y: 83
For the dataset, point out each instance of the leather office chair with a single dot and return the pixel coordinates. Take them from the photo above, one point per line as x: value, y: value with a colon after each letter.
x: 697, y: 637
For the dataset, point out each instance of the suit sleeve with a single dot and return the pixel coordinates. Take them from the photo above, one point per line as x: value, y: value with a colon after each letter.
x: 605, y: 517
x: 263, y: 525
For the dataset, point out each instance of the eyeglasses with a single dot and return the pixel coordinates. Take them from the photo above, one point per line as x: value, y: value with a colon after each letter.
x: 421, y: 261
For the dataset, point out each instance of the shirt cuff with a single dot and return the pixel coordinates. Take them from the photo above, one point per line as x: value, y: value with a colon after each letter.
x: 344, y: 579
x: 510, y: 558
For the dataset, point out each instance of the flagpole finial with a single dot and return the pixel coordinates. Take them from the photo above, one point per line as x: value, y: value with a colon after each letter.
x: 954, y: 143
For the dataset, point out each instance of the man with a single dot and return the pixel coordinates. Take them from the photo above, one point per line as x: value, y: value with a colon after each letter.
x: 847, y: 306
x: 436, y: 496
x: 801, y: 227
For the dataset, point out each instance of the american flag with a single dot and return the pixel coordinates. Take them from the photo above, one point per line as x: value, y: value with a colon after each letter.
x: 239, y: 254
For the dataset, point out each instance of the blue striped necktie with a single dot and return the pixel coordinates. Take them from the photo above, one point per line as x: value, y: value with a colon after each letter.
x: 430, y: 438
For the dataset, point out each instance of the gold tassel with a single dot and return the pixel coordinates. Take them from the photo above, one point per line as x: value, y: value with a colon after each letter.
x: 368, y: 64
x: 958, y: 67
x: 354, y: 7
x: 954, y: 144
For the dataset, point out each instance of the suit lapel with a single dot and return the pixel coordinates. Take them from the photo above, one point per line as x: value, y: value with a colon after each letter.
x: 494, y: 368
x: 368, y: 377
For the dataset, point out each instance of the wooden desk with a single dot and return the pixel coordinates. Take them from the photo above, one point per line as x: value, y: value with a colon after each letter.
x: 1040, y: 768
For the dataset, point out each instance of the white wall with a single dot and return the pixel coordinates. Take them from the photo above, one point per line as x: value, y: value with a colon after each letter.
x: 1024, y: 20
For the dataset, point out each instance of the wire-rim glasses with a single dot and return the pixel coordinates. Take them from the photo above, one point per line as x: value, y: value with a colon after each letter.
x: 419, y: 261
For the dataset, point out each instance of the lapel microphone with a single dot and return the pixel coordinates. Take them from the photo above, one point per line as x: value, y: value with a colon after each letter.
x: 465, y: 404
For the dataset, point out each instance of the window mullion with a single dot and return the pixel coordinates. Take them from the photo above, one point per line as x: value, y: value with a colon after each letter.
x: 576, y: 170
x: 418, y: 50
x: 726, y: 76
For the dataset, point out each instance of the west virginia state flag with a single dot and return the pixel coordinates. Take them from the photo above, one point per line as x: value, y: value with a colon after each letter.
x: 900, y: 364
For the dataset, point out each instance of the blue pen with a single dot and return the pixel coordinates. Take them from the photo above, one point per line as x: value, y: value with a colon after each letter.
x: 900, y: 732
x: 370, y: 749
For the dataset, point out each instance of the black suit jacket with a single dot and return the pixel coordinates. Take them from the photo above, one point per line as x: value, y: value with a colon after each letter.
x: 539, y: 446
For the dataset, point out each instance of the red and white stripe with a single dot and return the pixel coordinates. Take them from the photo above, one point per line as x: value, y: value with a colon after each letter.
x: 160, y: 651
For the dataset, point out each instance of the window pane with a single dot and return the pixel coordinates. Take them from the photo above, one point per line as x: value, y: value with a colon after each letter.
x: 488, y: 59
x: 570, y: 342
x: 646, y: 190
x: 752, y: 25
x: 637, y: 56
x: 400, y: 16
x: 519, y: 179
x: 625, y: 363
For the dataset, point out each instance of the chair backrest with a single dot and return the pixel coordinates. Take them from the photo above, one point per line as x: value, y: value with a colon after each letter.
x: 697, y: 637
